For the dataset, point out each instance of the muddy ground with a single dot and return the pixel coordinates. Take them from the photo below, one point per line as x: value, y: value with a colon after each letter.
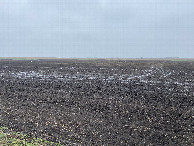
x: 99, y: 102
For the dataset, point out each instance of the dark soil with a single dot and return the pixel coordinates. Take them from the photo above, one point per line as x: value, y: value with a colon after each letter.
x: 99, y: 102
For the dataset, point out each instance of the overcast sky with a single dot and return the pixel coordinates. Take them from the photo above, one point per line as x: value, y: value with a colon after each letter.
x: 97, y: 28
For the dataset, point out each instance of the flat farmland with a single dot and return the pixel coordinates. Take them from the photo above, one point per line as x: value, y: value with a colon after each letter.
x: 99, y: 102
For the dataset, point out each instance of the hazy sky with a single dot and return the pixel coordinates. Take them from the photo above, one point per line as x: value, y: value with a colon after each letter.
x: 97, y: 28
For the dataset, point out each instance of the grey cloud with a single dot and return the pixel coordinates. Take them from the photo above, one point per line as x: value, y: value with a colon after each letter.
x: 97, y: 28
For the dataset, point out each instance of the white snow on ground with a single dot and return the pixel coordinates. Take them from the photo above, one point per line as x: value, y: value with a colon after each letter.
x: 124, y: 78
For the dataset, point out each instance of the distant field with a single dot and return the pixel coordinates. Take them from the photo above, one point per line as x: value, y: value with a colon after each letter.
x: 55, y: 58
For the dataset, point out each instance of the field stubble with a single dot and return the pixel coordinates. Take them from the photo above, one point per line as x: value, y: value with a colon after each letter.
x: 83, y: 102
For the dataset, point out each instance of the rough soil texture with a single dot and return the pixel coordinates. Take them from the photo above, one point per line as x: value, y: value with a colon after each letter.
x: 99, y: 102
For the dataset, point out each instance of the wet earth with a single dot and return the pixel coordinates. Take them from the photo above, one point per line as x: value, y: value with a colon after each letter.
x: 99, y: 102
